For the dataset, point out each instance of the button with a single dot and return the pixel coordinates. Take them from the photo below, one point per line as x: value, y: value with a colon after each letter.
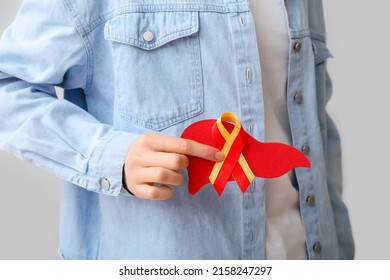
x: 148, y: 36
x: 317, y: 248
x: 248, y: 75
x: 106, y: 185
x: 298, y: 97
x: 242, y: 21
x: 251, y: 236
x: 311, y: 200
x: 305, y: 149
x: 250, y: 128
x: 297, y: 46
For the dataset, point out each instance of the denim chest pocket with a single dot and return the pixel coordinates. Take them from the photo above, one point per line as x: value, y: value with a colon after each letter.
x: 157, y: 67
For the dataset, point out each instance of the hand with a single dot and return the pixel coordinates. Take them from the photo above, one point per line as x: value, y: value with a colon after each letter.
x: 155, y: 158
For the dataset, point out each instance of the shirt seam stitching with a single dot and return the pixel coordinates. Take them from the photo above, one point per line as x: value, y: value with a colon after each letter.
x: 86, y: 42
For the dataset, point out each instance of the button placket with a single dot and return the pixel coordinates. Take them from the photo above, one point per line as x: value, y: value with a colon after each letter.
x: 297, y: 90
x: 248, y: 67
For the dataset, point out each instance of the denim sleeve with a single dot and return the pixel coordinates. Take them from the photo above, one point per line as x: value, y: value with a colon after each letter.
x: 335, y: 186
x: 41, y: 49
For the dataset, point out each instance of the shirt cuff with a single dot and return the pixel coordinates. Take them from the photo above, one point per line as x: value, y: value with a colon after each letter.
x: 106, y: 163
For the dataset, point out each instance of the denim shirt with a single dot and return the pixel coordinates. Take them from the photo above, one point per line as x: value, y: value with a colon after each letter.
x: 130, y: 67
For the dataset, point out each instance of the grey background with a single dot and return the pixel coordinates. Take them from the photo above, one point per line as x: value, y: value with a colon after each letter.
x: 358, y: 38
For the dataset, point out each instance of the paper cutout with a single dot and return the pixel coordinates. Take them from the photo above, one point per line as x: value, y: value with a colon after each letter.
x: 245, y: 157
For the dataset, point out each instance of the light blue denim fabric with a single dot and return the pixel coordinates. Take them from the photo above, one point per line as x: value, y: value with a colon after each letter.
x: 201, y: 60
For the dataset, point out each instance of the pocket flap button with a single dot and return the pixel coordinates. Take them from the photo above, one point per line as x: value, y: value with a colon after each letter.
x: 148, y: 36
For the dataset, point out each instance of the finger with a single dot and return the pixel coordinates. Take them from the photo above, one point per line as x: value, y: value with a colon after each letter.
x: 196, y: 149
x: 147, y: 191
x: 157, y: 175
x: 182, y: 146
x: 170, y: 161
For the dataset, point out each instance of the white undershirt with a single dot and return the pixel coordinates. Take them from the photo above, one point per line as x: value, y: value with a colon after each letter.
x: 284, y: 232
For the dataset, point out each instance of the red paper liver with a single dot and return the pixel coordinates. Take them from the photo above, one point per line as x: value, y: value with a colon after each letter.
x: 267, y: 160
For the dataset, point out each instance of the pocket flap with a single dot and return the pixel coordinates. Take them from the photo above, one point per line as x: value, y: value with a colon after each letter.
x: 151, y: 30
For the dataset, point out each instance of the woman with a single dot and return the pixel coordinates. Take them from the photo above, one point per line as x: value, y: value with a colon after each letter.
x: 135, y: 75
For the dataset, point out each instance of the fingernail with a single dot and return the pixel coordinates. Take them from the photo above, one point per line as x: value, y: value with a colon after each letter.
x: 219, y: 156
